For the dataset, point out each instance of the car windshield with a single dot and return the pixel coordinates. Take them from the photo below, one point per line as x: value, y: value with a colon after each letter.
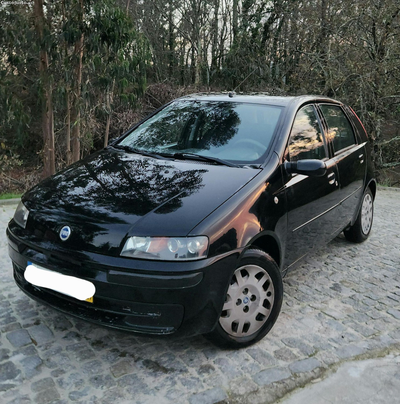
x: 225, y: 131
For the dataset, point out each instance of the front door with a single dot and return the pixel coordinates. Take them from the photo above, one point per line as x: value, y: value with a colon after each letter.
x: 312, y: 201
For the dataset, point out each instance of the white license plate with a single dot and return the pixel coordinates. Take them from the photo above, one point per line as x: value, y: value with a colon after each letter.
x: 68, y: 285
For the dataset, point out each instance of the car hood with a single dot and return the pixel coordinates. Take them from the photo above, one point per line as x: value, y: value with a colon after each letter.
x: 112, y: 194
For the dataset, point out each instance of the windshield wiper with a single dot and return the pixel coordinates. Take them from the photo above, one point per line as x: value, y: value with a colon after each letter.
x: 194, y: 156
x: 181, y: 156
x: 131, y: 149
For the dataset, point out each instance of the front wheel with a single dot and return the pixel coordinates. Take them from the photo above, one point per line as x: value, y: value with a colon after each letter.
x: 361, y: 229
x: 252, y: 302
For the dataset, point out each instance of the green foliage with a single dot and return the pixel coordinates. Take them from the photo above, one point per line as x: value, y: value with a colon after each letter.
x: 114, y: 64
x: 8, y: 159
x: 9, y: 196
x: 17, y: 56
x: 345, y: 50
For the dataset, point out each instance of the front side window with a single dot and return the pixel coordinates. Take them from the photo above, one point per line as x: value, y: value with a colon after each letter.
x: 340, y: 131
x: 306, y: 139
x: 226, y: 130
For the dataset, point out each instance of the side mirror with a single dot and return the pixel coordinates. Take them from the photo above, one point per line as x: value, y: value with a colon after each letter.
x: 312, y: 168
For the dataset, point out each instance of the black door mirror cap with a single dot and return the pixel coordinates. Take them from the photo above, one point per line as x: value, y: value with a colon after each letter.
x: 311, y: 167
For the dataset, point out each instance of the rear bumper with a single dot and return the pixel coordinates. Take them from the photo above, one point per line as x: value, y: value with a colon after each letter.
x: 135, y: 295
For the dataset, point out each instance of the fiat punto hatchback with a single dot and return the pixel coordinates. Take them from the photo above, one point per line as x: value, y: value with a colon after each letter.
x: 187, y: 223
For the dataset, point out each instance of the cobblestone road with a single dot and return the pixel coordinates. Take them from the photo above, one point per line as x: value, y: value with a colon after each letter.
x: 341, y: 303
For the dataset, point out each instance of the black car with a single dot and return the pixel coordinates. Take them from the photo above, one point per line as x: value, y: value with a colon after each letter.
x: 188, y: 222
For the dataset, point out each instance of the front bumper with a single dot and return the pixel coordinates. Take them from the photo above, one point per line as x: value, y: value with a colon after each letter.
x: 148, y: 297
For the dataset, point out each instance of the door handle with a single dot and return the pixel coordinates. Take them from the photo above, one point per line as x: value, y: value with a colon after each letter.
x: 361, y: 158
x: 331, y: 178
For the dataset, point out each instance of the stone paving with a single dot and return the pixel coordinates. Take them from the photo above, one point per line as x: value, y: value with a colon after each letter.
x: 340, y: 304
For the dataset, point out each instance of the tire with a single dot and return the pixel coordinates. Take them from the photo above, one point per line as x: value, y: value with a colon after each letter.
x: 361, y: 229
x: 252, y: 303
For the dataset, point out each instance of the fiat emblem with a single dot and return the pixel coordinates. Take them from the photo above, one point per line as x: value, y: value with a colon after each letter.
x: 65, y: 232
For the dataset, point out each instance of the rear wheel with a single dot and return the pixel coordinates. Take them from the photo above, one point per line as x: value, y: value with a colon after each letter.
x: 361, y: 229
x: 252, y: 302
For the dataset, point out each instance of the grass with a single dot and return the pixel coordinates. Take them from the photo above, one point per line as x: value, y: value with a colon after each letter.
x: 10, y: 196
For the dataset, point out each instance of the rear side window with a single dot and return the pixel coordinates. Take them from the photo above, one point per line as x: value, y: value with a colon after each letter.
x: 306, y: 139
x: 340, y: 131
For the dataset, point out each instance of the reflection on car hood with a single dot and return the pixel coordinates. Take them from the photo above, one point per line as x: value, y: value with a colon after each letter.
x: 113, y: 193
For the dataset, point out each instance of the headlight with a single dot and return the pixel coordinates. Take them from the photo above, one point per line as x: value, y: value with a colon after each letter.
x: 21, y: 215
x: 166, y: 248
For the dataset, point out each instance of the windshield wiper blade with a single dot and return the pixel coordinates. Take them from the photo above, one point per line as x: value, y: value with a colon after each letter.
x: 194, y: 156
x: 181, y: 156
x: 131, y: 149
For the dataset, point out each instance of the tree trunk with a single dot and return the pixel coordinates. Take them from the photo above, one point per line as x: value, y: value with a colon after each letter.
x: 224, y: 31
x: 197, y: 75
x: 235, y: 22
x: 215, y: 34
x: 68, y: 154
x: 76, y: 114
x: 109, y: 97
x: 193, y: 64
x: 322, y: 49
x: 171, y: 41
x: 47, y: 105
x: 183, y: 65
x: 68, y: 130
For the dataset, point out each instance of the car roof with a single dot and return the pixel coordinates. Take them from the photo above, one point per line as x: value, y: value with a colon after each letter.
x: 259, y: 98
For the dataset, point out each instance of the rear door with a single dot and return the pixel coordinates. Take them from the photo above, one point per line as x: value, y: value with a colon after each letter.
x: 350, y: 158
x: 312, y: 202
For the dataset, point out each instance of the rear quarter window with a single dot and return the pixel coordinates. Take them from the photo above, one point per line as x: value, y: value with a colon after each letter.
x: 360, y: 129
